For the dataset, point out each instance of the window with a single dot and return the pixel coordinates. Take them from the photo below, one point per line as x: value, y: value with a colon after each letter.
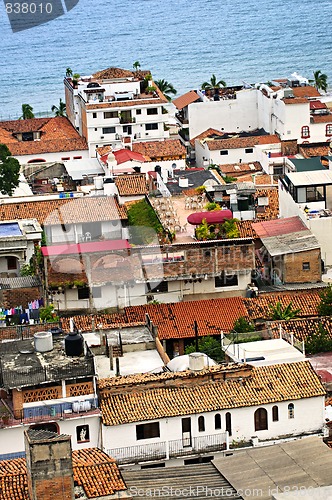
x: 228, y: 419
x: 207, y: 253
x: 152, y: 111
x: 224, y: 152
x: 110, y: 114
x: 225, y: 280
x: 83, y: 293
x: 151, y: 126
x: 217, y: 421
x: 82, y: 433
x: 328, y: 130
x: 260, y: 419
x: 315, y: 193
x: 77, y: 157
x: 305, y: 266
x: 275, y: 414
x: 147, y: 431
x: 96, y: 129
x: 94, y: 115
x: 27, y: 136
x: 249, y: 150
x: 108, y: 130
x: 291, y: 410
x: 138, y: 111
x: 156, y: 287
x: 305, y: 132
x: 11, y: 263
x: 201, y: 424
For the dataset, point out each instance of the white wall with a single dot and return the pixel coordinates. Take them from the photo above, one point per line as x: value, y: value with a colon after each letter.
x: 50, y: 157
x: 231, y: 115
x: 309, y: 417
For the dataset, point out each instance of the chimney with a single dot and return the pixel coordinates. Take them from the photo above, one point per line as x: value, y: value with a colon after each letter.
x: 49, y: 465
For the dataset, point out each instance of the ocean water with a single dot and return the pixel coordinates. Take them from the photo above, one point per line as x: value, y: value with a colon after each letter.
x: 181, y: 41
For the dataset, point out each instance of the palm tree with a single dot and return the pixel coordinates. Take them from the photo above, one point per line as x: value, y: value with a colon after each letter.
x: 278, y: 311
x: 69, y: 72
x: 136, y: 65
x: 213, y: 83
x: 27, y: 112
x: 59, y: 110
x: 166, y: 88
x: 320, y: 80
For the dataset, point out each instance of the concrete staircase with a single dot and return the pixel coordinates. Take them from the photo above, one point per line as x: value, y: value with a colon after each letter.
x: 199, y: 481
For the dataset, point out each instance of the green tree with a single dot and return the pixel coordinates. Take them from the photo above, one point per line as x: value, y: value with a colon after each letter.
x: 59, y: 110
x: 204, y: 231
x: 27, y: 112
x: 166, y: 88
x: 242, y: 325
x: 69, y: 73
x: 318, y: 342
x: 325, y: 306
x: 209, y: 346
x: 320, y: 80
x: 230, y: 228
x: 9, y: 171
x: 136, y: 65
x: 212, y: 206
x: 278, y: 311
x: 213, y: 83
x: 47, y: 314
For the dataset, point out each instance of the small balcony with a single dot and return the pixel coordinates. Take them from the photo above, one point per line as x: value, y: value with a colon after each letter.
x: 181, y: 119
x: 165, y: 450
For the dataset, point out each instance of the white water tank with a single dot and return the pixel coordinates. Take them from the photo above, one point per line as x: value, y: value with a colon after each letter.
x: 43, y: 341
x: 196, y: 361
x: 183, y: 182
x: 98, y: 182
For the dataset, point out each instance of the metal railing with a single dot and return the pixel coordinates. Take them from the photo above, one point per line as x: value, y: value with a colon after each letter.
x: 170, y: 449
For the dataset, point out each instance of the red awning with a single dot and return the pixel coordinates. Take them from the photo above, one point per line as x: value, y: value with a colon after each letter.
x: 216, y: 217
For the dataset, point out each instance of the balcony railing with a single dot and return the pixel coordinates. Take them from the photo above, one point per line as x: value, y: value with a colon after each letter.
x: 170, y: 449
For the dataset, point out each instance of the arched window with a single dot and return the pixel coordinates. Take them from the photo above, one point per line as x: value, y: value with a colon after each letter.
x: 260, y: 419
x: 275, y: 414
x: 305, y: 132
x: 217, y: 421
x: 228, y: 418
x: 201, y: 424
x: 37, y: 160
x: 291, y: 410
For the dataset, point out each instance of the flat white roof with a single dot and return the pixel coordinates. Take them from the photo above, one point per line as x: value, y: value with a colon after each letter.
x: 130, y: 363
x: 314, y: 177
x: 76, y: 169
x: 267, y: 352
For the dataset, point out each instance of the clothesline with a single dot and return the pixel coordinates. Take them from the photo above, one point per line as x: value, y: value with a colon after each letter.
x: 21, y: 316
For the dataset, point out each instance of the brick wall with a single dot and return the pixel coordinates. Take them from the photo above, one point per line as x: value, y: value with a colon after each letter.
x: 17, y: 401
x: 293, y: 267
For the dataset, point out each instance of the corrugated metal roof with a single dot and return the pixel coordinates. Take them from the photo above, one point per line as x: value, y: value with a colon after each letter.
x: 290, y: 243
x: 313, y: 178
x: 278, y: 227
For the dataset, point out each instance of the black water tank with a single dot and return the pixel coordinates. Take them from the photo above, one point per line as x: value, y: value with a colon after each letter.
x: 243, y: 203
x: 137, y: 169
x: 74, y: 344
x: 157, y: 168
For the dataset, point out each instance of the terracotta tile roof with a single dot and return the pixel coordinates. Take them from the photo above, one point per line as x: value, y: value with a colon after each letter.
x: 87, y: 209
x: 133, y: 184
x: 210, y: 132
x: 110, y: 73
x: 85, y: 323
x: 271, y: 211
x: 84, y: 209
x: 56, y: 135
x: 95, y: 471
x: 295, y: 100
x: 104, y: 150
x: 317, y: 105
x: 123, y: 155
x: 159, y: 150
x: 321, y: 118
x: 278, y: 227
x: 306, y: 301
x: 302, y: 328
x: 306, y: 91
x: 184, y: 100
x: 241, y: 142
x: 313, y: 150
x: 176, y: 320
x: 246, y: 229
x: 264, y: 179
x: 243, y: 168
x: 192, y: 393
